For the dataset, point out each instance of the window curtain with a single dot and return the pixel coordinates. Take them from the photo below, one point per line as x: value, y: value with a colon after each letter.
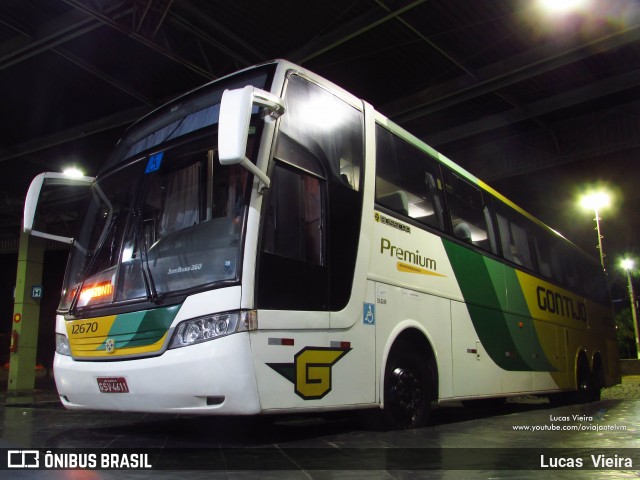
x: 181, y: 206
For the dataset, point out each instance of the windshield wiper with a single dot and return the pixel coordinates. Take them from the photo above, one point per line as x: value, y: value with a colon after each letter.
x: 140, y: 243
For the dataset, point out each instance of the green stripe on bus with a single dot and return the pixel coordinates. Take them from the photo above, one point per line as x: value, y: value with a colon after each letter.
x: 501, y: 320
x: 138, y: 329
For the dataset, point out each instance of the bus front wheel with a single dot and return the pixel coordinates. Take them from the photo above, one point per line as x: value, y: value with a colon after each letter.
x: 408, y: 389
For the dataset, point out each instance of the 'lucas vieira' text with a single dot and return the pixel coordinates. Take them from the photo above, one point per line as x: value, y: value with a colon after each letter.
x: 598, y: 461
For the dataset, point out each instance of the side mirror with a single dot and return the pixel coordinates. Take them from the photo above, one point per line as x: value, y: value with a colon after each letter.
x: 53, y: 189
x: 233, y: 125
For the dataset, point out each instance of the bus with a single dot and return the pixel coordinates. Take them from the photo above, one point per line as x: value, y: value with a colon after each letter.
x: 270, y: 243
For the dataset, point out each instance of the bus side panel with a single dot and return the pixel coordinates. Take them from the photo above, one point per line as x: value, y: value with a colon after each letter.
x: 414, y: 285
x: 307, y: 368
x: 398, y: 309
x: 528, y: 352
x: 474, y: 372
x: 546, y: 354
x: 410, y: 257
x: 581, y: 325
x: 553, y: 336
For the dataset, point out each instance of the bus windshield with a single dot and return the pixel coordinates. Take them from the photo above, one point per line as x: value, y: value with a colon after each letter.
x: 165, y: 217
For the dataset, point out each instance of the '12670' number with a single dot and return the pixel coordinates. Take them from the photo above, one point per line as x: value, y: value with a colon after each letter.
x: 87, y: 327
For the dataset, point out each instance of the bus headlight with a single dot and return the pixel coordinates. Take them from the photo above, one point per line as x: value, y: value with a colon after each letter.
x: 209, y: 327
x: 62, y: 344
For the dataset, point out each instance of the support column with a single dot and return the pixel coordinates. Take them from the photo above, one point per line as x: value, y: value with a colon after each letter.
x: 26, y: 315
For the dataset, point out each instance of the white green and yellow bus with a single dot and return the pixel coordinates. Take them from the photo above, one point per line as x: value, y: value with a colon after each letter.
x: 270, y: 243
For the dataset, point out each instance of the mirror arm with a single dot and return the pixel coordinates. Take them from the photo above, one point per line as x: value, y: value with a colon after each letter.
x: 269, y: 101
x: 275, y: 107
x: 50, y: 236
x: 246, y: 163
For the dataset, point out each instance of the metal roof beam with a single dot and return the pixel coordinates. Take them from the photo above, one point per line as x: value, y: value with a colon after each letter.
x: 599, y: 134
x: 429, y: 42
x: 499, y: 75
x: 202, y: 36
x: 103, y: 124
x: 131, y: 33
x: 347, y: 32
x: 493, y: 168
x: 222, y: 29
x: 536, y: 109
x: 61, y: 30
x: 67, y: 26
x: 101, y: 74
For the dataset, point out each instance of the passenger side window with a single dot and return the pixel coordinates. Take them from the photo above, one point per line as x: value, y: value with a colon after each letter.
x: 572, y: 274
x: 408, y: 180
x: 314, y: 202
x: 294, y: 226
x: 470, y: 215
x: 514, y: 237
x: 293, y: 273
x: 593, y: 280
x: 324, y: 125
x: 549, y: 255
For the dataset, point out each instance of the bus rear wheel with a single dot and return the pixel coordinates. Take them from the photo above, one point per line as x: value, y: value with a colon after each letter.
x: 584, y: 381
x: 597, y: 381
x: 408, y: 389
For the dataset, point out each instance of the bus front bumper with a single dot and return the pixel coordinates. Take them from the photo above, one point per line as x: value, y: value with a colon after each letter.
x: 209, y: 378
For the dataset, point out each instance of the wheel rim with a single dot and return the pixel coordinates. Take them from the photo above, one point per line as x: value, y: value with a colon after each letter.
x: 406, y: 396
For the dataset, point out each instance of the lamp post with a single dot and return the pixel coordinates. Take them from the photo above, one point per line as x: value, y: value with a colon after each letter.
x: 628, y: 265
x: 563, y: 6
x: 73, y: 172
x: 596, y: 201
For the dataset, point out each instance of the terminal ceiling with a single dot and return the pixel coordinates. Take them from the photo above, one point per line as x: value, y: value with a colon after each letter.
x: 497, y: 86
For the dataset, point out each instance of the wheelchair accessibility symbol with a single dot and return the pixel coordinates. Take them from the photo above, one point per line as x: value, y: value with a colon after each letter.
x: 369, y: 314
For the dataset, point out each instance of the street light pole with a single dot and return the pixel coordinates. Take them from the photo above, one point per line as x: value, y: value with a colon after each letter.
x: 600, y: 237
x: 596, y: 201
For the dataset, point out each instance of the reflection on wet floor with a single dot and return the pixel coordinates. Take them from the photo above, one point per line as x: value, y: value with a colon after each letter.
x: 337, y: 445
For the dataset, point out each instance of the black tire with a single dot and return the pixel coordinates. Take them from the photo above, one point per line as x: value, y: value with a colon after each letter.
x: 597, y: 382
x: 584, y: 382
x: 587, y: 390
x: 408, y: 389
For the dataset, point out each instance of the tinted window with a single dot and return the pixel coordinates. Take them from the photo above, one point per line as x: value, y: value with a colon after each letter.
x: 470, y: 215
x: 408, y: 180
x: 327, y: 127
x: 292, y: 272
x: 294, y: 226
x: 549, y: 255
x: 312, y: 217
x: 514, y: 229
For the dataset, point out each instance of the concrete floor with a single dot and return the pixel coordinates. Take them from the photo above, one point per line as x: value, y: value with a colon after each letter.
x: 461, y: 443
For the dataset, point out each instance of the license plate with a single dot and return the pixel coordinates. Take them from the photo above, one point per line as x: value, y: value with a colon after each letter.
x: 113, y: 385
